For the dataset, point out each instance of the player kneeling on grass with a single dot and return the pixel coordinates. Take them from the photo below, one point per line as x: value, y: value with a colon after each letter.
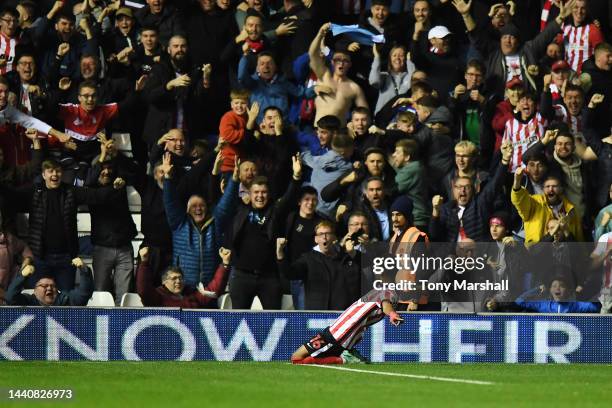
x: 335, y: 344
x: 46, y: 292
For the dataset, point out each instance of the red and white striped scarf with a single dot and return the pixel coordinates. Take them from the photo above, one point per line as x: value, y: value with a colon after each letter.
x: 523, y: 136
x: 7, y: 49
x: 545, y: 12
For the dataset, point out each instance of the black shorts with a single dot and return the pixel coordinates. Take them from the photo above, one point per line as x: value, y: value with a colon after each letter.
x: 323, y: 345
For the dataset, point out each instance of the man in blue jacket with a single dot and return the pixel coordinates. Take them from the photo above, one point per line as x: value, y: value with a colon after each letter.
x: 197, y: 233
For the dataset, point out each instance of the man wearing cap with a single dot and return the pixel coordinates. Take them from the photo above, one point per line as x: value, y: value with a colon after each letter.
x: 341, y: 92
x: 433, y: 55
x: 119, y: 44
x: 508, y: 59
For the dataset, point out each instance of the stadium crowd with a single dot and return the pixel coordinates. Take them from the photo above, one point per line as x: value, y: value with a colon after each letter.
x: 272, y: 143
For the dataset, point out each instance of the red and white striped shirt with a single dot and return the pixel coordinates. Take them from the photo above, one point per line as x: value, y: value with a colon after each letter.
x: 82, y: 125
x: 523, y: 136
x: 574, y: 122
x: 349, y: 327
x: 580, y: 43
x: 7, y: 49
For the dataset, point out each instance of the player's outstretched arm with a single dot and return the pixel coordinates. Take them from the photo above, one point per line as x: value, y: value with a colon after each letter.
x: 394, y: 317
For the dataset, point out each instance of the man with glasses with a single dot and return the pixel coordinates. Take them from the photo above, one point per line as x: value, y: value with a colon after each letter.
x: 337, y: 93
x: 9, y: 22
x: 331, y: 274
x: 46, y: 292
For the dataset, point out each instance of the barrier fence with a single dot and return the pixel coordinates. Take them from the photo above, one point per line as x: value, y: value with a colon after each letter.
x: 176, y: 334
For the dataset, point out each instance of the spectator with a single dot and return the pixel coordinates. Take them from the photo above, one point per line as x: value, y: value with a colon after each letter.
x: 112, y: 232
x: 580, y: 35
x: 466, y: 157
x: 267, y: 86
x: 339, y: 92
x: 252, y: 237
x: 375, y: 204
x: 173, y: 292
x: 466, y: 215
x: 161, y: 15
x: 396, y: 80
x: 14, y: 255
x: 409, y: 178
x: 233, y: 127
x: 9, y: 24
x: 331, y: 276
x: 603, y: 221
x: 535, y: 210
x: 328, y: 167
x: 197, y: 234
x: 504, y: 110
x: 46, y: 291
x: 601, y: 259
x: 300, y: 231
x: 319, y: 143
x: 18, y: 175
x: 559, y: 301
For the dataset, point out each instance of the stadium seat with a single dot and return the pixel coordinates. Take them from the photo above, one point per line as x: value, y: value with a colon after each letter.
x: 224, y: 302
x: 84, y: 223
x: 28, y: 291
x: 101, y: 299
x: 22, y: 224
x: 287, y: 303
x: 138, y: 223
x: 131, y: 300
x: 256, y: 305
x: 134, y: 201
x: 123, y: 143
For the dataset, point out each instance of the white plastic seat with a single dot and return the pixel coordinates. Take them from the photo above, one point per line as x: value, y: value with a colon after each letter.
x: 101, y: 299
x: 122, y: 142
x: 84, y: 223
x: 256, y: 305
x: 134, y: 200
x: 287, y: 303
x: 224, y: 302
x: 131, y: 300
x: 28, y: 291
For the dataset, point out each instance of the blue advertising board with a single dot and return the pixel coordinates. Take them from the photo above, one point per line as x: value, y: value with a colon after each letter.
x: 175, y: 334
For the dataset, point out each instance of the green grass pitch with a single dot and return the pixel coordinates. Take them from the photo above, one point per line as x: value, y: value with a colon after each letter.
x: 250, y: 384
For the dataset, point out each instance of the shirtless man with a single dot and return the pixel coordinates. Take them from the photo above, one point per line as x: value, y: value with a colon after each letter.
x: 336, y: 92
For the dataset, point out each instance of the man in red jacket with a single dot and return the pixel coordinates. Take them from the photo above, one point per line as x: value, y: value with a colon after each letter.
x: 173, y: 292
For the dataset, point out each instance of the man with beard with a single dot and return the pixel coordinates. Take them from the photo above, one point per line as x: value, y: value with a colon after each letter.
x: 252, y: 239
x: 466, y: 215
x: 331, y: 275
x: 46, y: 290
x: 172, y: 91
x: 340, y: 92
x: 535, y: 210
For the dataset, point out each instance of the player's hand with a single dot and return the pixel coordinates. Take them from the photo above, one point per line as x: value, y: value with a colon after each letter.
x: 395, y: 319
x: 78, y: 262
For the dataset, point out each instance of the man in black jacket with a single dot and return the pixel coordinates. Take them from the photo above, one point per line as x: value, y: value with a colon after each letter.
x: 252, y: 241
x: 465, y: 216
x: 53, y: 222
x: 171, y: 91
x: 163, y: 16
x: 331, y: 275
x: 112, y: 231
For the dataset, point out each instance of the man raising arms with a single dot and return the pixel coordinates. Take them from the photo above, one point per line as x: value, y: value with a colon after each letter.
x: 336, y: 92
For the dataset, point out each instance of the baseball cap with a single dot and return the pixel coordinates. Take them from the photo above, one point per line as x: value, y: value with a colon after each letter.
x: 514, y: 83
x: 560, y: 65
x: 124, y: 11
x: 438, y: 32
